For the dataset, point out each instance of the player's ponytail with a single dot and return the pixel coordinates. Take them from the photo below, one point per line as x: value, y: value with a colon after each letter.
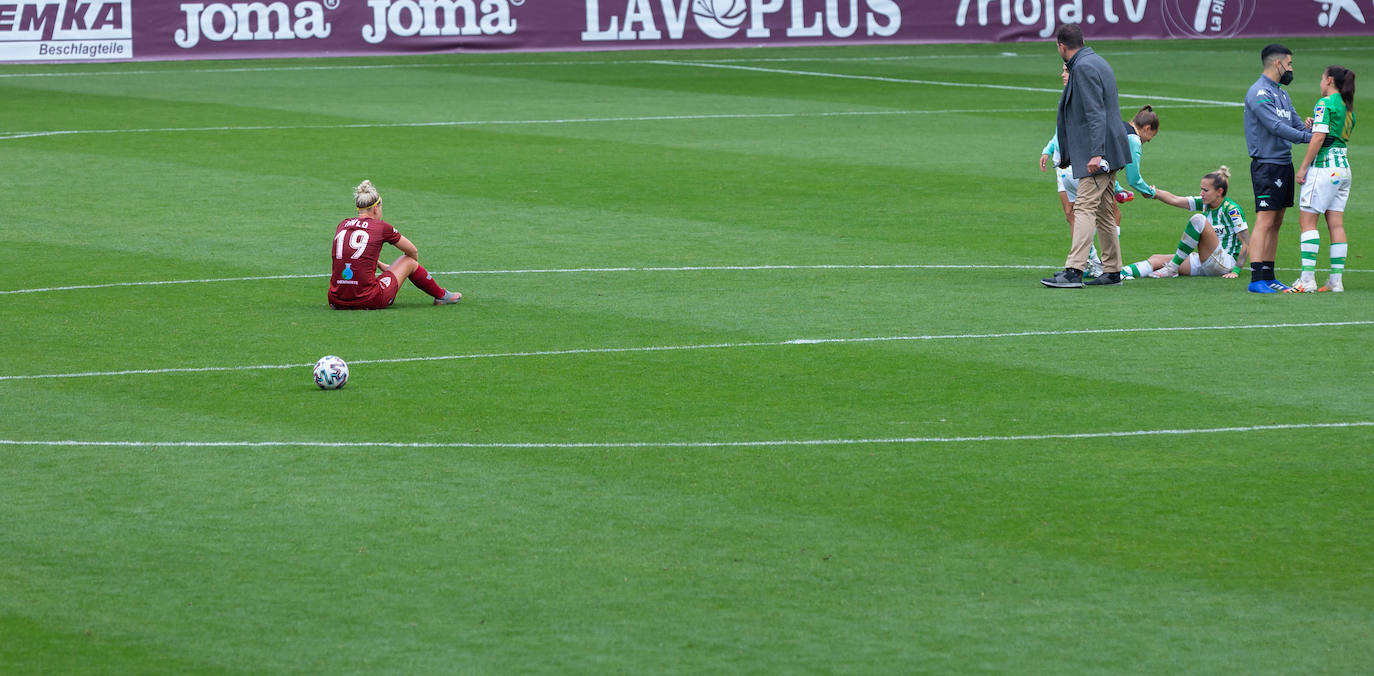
x: 365, y: 196
x: 1221, y: 179
x: 1344, y: 79
x: 1146, y: 117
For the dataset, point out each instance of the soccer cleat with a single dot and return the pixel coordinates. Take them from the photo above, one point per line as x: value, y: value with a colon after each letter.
x: 1331, y: 287
x: 1124, y: 196
x: 1068, y: 278
x: 449, y: 298
x: 1169, y: 270
x: 1302, y: 286
x: 1277, y: 286
x: 1094, y: 269
x: 1260, y: 286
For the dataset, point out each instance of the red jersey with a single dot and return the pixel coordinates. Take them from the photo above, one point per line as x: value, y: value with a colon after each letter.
x: 356, y: 247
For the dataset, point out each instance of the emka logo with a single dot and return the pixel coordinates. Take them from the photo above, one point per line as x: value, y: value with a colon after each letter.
x: 64, y: 20
x: 721, y: 19
x: 65, y: 29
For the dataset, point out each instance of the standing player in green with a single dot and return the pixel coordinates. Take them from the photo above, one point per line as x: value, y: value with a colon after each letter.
x: 1326, y: 185
x: 1214, y: 242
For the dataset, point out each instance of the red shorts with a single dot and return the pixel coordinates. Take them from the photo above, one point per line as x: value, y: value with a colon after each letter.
x: 375, y: 297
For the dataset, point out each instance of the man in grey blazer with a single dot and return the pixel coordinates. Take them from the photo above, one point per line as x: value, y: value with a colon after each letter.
x: 1093, y: 141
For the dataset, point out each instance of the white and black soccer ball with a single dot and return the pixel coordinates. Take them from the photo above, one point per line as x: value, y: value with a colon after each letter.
x: 331, y: 373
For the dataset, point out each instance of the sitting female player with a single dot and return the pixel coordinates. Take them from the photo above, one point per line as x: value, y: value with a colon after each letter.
x: 356, y: 248
x: 1214, y: 242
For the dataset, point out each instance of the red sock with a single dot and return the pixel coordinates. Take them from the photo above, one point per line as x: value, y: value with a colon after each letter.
x: 425, y: 282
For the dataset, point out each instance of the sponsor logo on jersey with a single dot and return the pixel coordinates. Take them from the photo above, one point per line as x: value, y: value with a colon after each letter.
x: 651, y: 20
x: 385, y: 281
x: 347, y: 271
x: 66, y: 29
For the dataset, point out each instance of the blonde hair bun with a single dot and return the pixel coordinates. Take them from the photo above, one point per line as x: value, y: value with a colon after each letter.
x: 365, y: 195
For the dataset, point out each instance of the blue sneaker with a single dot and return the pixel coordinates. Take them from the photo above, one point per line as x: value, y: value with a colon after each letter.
x: 1260, y: 286
x: 1277, y: 286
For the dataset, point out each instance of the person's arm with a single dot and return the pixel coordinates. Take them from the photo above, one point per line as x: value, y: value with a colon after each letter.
x: 1241, y: 258
x: 407, y: 248
x: 1173, y: 200
x: 1263, y: 111
x: 1048, y: 151
x: 1133, y: 177
x: 1318, y: 138
x: 1087, y: 84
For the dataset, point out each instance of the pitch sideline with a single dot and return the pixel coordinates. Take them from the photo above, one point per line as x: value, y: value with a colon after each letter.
x: 687, y: 444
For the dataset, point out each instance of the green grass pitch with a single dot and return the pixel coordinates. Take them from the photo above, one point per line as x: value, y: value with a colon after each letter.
x: 753, y: 374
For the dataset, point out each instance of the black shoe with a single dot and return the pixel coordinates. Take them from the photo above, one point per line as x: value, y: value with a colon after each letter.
x: 1105, y: 279
x: 1068, y: 278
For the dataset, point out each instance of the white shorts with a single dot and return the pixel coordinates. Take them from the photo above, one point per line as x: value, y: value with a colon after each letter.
x: 1219, y: 264
x: 1067, y: 183
x: 1325, y: 190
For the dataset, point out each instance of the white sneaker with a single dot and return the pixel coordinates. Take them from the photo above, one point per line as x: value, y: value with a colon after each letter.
x: 1169, y: 270
x: 1332, y: 286
x: 1303, y: 286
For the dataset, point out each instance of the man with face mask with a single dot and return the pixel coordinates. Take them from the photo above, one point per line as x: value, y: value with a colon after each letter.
x: 1272, y: 126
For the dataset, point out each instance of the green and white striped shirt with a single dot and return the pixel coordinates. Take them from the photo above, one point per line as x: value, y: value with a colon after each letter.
x: 1333, y: 119
x: 1227, y: 220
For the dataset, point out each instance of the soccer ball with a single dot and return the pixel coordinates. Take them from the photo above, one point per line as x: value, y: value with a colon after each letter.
x: 331, y: 373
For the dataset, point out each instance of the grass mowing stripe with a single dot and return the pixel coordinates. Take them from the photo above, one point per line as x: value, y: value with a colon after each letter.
x: 690, y: 444
x: 709, y: 346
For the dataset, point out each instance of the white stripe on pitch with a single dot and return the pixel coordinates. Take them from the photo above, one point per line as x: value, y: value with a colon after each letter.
x: 688, y: 444
x: 544, y: 271
x: 706, y: 346
x: 8, y: 136
x: 540, y: 271
x: 935, y: 83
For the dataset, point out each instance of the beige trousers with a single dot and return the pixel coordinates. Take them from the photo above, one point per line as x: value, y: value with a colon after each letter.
x: 1093, y: 212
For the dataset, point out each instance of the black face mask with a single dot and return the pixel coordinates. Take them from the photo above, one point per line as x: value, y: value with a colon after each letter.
x: 1287, y: 78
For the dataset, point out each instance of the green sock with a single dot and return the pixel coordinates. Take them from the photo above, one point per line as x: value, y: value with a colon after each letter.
x: 1338, y: 250
x: 1310, y: 242
x: 1188, y: 244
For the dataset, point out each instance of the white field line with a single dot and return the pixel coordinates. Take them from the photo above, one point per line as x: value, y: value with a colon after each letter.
x: 686, y: 444
x: 485, y: 64
x: 690, y: 268
x: 704, y: 346
x: 543, y: 271
x: 9, y: 136
x: 936, y: 83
